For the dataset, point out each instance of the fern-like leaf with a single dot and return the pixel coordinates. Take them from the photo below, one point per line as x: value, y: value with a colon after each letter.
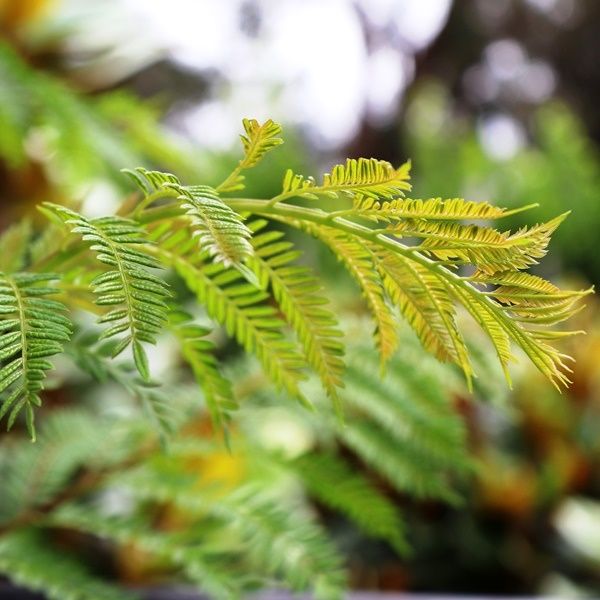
x: 403, y: 424
x: 361, y: 264
x: 491, y: 251
x: 237, y: 305
x: 488, y: 249
x: 277, y: 540
x: 190, y: 558
x: 522, y: 290
x: 401, y: 469
x: 150, y: 182
x: 136, y: 298
x: 32, y: 329
x: 501, y: 328
x: 289, y: 545
x: 259, y: 139
x: 300, y: 298
x: 34, y: 475
x: 451, y: 209
x: 424, y: 301
x: 218, y: 228
x: 369, y: 178
x: 413, y: 405
x: 198, y: 352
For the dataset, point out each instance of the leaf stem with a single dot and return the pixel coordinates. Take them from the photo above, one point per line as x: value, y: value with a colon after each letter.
x: 151, y: 198
x: 296, y: 214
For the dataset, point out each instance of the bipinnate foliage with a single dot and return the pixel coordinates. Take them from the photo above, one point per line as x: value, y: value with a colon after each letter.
x: 231, y: 254
x: 219, y: 230
x: 245, y: 273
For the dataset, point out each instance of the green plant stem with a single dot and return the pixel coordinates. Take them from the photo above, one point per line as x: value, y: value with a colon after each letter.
x: 231, y: 178
x: 159, y: 213
x: 297, y: 213
x: 276, y: 209
x: 399, y: 215
x: 150, y: 199
x: 69, y: 251
x: 300, y: 213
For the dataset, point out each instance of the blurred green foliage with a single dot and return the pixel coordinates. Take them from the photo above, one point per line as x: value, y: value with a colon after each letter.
x: 558, y: 168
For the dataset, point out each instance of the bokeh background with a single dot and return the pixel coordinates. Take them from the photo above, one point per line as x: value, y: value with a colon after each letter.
x: 492, y: 100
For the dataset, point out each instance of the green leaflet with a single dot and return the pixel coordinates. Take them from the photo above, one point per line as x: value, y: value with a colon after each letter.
x: 32, y: 329
x: 450, y: 209
x: 239, y: 306
x: 219, y: 230
x: 133, y: 296
x: 336, y: 484
x: 424, y: 302
x: 257, y: 141
x: 404, y: 426
x: 198, y: 352
x: 489, y: 250
x: 301, y: 299
x: 363, y: 177
x: 361, y: 264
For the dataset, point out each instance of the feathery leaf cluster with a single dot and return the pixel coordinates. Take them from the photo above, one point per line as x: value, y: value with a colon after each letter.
x: 136, y: 297
x: 259, y: 139
x: 219, y: 229
x: 250, y: 531
x: 241, y: 308
x: 302, y: 301
x: 410, y: 407
x: 370, y: 178
x: 247, y: 278
x: 232, y: 256
x: 402, y: 426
